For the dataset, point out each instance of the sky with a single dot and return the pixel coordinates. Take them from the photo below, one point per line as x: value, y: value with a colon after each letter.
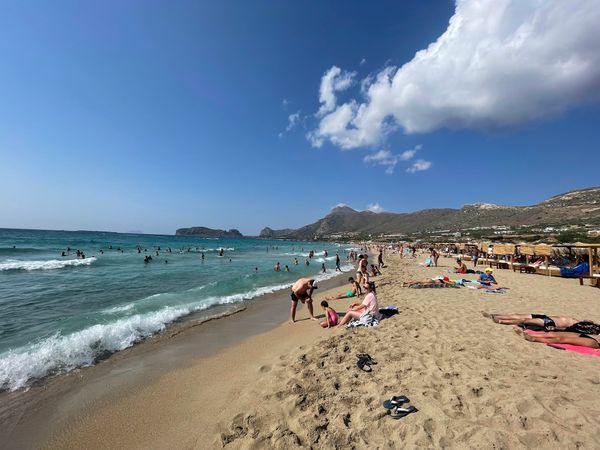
x: 155, y: 115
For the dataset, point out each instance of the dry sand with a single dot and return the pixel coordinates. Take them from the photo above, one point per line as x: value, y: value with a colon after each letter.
x: 476, y: 384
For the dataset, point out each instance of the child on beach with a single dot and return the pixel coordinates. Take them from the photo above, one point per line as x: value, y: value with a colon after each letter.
x: 331, y: 317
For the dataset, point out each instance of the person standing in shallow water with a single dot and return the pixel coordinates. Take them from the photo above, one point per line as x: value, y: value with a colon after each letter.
x: 337, y: 263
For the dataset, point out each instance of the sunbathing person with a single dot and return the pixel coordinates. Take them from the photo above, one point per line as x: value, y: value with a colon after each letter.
x: 427, y: 281
x: 561, y: 337
x: 353, y: 292
x: 548, y: 323
x: 369, y: 304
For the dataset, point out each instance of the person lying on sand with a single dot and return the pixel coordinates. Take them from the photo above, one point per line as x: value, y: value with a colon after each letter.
x: 302, y: 290
x: 331, y: 317
x: 444, y: 280
x: 353, y: 292
x: 369, y: 304
x: 548, y: 323
x: 561, y: 337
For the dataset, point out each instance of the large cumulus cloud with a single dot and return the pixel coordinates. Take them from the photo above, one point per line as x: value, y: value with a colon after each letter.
x: 500, y: 63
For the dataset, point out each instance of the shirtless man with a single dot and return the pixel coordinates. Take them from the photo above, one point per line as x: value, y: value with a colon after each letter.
x: 302, y: 290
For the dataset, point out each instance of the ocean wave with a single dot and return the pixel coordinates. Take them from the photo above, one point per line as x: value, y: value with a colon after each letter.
x: 63, y: 353
x: 80, y: 349
x: 45, y: 265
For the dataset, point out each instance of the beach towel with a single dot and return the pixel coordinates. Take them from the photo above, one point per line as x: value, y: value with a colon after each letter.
x: 388, y: 311
x: 428, y: 262
x: 580, y: 269
x: 570, y: 348
x: 432, y: 285
x: 366, y: 320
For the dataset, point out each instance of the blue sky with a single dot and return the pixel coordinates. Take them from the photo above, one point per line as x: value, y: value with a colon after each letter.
x: 158, y: 115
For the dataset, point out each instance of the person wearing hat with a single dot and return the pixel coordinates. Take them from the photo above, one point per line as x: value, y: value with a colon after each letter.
x: 486, y: 278
x: 302, y: 290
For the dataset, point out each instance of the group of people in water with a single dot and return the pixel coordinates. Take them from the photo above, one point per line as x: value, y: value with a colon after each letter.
x: 311, y: 254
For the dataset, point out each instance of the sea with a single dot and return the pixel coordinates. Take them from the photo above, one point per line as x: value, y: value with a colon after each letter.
x: 60, y: 313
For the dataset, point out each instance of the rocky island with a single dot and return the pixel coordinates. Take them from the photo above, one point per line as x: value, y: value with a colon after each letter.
x: 209, y: 232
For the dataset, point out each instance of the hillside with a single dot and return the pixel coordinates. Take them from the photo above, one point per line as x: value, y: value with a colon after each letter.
x: 580, y: 207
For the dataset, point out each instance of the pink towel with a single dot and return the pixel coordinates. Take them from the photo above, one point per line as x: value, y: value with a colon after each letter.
x: 571, y: 348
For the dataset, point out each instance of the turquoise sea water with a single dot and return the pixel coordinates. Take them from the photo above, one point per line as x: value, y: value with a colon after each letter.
x: 58, y: 312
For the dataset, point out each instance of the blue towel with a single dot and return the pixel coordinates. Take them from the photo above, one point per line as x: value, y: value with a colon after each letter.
x: 580, y: 269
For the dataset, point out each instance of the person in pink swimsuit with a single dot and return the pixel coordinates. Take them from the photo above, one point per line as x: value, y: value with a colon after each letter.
x: 331, y: 317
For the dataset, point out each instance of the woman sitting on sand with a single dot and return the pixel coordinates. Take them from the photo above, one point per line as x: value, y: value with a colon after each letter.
x: 375, y: 270
x: 369, y: 304
x: 461, y: 267
x: 548, y: 323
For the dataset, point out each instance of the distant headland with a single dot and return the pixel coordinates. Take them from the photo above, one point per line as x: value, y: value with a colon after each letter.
x: 209, y: 232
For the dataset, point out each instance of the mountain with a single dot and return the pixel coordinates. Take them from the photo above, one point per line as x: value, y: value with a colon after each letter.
x: 577, y: 208
x: 208, y: 232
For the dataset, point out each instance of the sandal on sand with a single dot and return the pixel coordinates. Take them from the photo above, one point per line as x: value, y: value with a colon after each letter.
x: 399, y: 413
x: 365, y: 360
x: 395, y: 401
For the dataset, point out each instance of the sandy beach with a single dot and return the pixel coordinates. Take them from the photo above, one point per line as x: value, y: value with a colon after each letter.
x: 476, y: 384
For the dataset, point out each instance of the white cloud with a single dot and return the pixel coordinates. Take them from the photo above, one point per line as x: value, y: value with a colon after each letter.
x: 284, y: 103
x: 419, y: 165
x: 388, y: 159
x: 363, y: 61
x: 500, y: 63
x: 334, y: 80
x: 375, y: 207
x: 293, y: 120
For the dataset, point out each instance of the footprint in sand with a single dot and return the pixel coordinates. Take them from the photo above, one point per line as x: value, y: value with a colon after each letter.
x: 264, y: 369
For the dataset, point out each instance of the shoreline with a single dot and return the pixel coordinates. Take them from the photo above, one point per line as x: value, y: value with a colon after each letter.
x: 29, y: 418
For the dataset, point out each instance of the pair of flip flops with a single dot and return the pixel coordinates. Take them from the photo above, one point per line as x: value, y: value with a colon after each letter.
x: 395, y: 404
x: 365, y: 362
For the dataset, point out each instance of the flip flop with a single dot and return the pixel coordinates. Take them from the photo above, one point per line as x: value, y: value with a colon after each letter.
x: 395, y: 401
x: 367, y: 357
x: 365, y: 360
x: 399, y: 413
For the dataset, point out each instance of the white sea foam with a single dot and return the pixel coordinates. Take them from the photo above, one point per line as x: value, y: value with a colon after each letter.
x: 80, y: 349
x: 119, y: 309
x: 45, y: 265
